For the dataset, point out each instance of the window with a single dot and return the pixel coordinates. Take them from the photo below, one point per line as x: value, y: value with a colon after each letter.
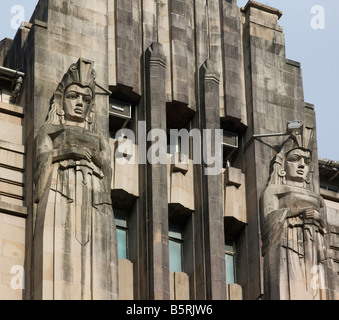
x: 120, y: 115
x: 175, y: 249
x: 229, y: 147
x: 122, y: 233
x: 174, y: 146
x: 230, y: 261
x: 179, y: 143
x: 329, y: 188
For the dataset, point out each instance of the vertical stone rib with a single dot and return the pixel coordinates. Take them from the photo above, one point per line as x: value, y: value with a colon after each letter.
x: 212, y: 188
x: 164, y: 37
x: 112, y: 59
x: 126, y: 22
x: 178, y: 18
x: 215, y: 45
x: 157, y: 177
x: 233, y: 69
x: 201, y: 32
x: 274, y: 97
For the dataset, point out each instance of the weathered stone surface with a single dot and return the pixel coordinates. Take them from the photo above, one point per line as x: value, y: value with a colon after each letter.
x: 74, y: 223
x: 235, y: 212
x: 234, y: 109
x: 180, y: 185
x: 179, y: 64
x: 125, y: 280
x: 125, y: 172
x: 294, y: 228
x: 179, y: 286
x: 157, y: 176
x: 272, y: 102
x: 215, y: 260
x: 12, y: 252
x: 126, y: 25
x: 234, y: 292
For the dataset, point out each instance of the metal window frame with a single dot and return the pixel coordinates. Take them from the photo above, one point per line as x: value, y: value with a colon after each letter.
x: 234, y: 255
x: 127, y: 242
x: 122, y: 215
x: 181, y: 242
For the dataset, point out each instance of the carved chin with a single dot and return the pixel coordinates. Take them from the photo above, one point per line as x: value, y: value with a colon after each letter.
x: 298, y: 178
x: 76, y: 118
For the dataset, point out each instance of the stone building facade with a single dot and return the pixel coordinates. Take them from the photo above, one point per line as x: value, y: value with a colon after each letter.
x: 179, y: 64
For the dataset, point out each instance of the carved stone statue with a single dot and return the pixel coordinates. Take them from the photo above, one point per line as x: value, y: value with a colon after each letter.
x: 75, y: 245
x: 295, y: 242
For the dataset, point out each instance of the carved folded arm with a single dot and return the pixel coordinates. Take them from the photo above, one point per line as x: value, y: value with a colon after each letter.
x: 43, y: 164
x: 42, y: 174
x: 322, y: 214
x: 105, y: 158
x: 74, y: 153
x: 272, y: 228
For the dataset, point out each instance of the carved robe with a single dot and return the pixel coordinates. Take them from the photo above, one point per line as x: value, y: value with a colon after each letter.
x: 294, y: 249
x: 75, y: 249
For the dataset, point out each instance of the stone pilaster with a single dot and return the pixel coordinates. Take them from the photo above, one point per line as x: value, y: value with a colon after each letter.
x: 234, y: 111
x: 212, y: 187
x: 274, y: 97
x: 124, y: 59
x: 157, y: 177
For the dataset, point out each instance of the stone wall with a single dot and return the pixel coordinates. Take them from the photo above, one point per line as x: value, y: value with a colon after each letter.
x: 179, y: 64
x: 13, y: 212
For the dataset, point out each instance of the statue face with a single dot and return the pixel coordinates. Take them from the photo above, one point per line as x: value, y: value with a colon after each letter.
x: 77, y: 103
x: 297, y: 165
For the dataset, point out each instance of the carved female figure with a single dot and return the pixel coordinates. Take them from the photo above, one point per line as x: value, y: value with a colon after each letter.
x: 293, y: 228
x: 75, y: 253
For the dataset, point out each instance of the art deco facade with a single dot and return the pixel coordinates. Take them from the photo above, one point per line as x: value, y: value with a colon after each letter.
x: 178, y: 64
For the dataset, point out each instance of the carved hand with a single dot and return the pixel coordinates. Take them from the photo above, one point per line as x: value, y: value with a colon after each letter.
x: 295, y: 212
x: 311, y: 213
x: 306, y: 213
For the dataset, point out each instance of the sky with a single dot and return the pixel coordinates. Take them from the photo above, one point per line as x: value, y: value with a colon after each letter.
x: 312, y: 38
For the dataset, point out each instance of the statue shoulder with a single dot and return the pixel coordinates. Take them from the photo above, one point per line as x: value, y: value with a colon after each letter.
x: 48, y: 129
x: 272, y: 189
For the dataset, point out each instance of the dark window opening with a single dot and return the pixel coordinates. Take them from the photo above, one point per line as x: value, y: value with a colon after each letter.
x: 229, y: 147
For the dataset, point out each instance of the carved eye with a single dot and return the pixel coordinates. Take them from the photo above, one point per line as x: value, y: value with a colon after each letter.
x: 308, y: 161
x: 294, y: 158
x: 72, y: 95
x: 87, y: 99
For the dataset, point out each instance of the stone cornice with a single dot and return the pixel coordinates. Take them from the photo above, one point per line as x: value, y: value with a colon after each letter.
x: 263, y: 7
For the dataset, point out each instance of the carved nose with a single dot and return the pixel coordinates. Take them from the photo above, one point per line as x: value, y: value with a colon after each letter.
x: 302, y: 163
x: 79, y: 102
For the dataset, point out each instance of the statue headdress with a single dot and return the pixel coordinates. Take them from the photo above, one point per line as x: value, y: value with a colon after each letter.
x: 80, y: 73
x: 301, y: 138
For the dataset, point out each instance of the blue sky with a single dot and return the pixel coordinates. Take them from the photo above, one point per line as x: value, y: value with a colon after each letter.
x: 315, y: 46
